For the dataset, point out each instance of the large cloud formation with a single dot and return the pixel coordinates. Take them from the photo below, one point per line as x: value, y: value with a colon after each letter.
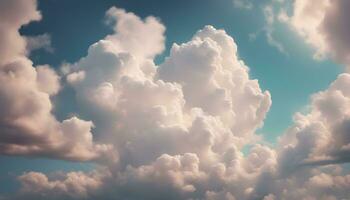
x: 174, y: 131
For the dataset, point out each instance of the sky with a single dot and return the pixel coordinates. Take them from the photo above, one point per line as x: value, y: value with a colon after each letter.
x: 225, y: 99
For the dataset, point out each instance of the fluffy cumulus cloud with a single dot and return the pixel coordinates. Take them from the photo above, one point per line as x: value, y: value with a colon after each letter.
x: 324, y: 25
x: 27, y: 125
x: 74, y: 185
x: 132, y: 31
x: 322, y: 135
x: 214, y: 79
x: 172, y: 131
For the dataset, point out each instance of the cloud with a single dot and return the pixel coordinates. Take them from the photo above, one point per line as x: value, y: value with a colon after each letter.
x: 324, y: 26
x: 178, y: 128
x: 13, y: 15
x: 26, y: 123
x: 306, y: 21
x: 39, y: 42
x: 133, y: 32
x: 269, y: 28
x: 243, y: 4
x: 320, y: 137
x: 48, y: 80
x: 149, y: 135
x: 74, y: 185
x: 214, y: 79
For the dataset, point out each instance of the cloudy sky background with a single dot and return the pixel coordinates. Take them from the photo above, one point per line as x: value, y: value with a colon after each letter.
x: 193, y: 99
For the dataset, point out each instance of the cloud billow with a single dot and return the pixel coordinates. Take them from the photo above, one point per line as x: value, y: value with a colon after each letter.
x: 27, y: 124
x: 323, y: 25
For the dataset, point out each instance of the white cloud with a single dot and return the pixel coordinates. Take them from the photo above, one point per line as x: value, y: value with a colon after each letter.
x: 74, y: 185
x: 47, y: 79
x: 320, y: 137
x: 140, y: 38
x: 243, y: 4
x: 306, y: 19
x: 324, y: 25
x: 166, y: 137
x: 27, y: 125
x: 13, y: 15
x: 269, y: 28
x: 39, y: 42
x: 214, y: 79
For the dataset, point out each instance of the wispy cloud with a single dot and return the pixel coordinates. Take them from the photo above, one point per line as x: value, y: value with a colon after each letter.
x: 243, y: 4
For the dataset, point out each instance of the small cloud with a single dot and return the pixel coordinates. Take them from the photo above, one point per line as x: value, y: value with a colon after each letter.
x: 269, y: 15
x: 268, y: 30
x: 243, y: 4
x: 39, y: 42
x: 283, y: 16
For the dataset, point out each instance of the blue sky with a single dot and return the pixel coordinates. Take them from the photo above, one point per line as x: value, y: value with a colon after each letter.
x: 291, y: 76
